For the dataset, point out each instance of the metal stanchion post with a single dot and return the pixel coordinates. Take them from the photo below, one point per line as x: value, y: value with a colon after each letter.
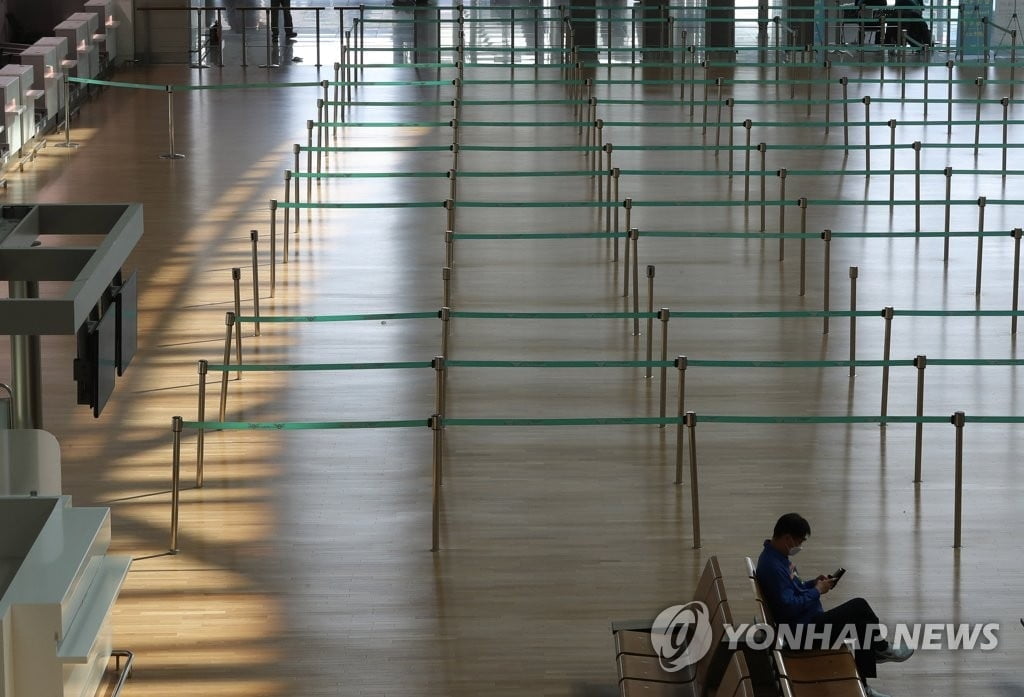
x: 948, y: 172
x: 867, y: 134
x: 536, y: 40
x: 916, y: 145
x: 446, y: 316
x: 663, y: 316
x: 808, y: 49
x: 338, y: 113
x: 853, y: 320
x: 317, y: 13
x: 887, y: 315
x: 67, y: 115
x: 449, y: 248
x: 718, y: 116
x: 981, y: 244
x: 747, y: 123
x: 634, y: 238
x: 927, y: 76
x: 1006, y: 106
x: 616, y: 173
x: 287, y: 213
x: 512, y: 43
x: 802, y: 202
x: 309, y: 159
x: 176, y: 422
x: 170, y: 154
x: 204, y: 367
x: 452, y: 176
x: 949, y: 97
x: 446, y: 279
x: 236, y: 281
x: 691, y: 425
x: 296, y: 166
x: 731, y: 103
x: 253, y: 238
x: 958, y: 420
x: 1016, y: 233
x: 245, y: 48
x: 595, y: 156
x: 763, y: 149
x: 846, y: 113
x: 919, y: 362
x: 892, y: 162
x: 980, y: 82
x: 827, y: 236
x: 319, y: 144
x: 681, y: 401
x: 704, y: 109
x: 628, y: 205
x: 828, y: 96
x: 273, y: 246
x: 229, y: 323
x: 650, y: 320
x: 449, y: 206
x: 435, y: 424
x: 782, y: 212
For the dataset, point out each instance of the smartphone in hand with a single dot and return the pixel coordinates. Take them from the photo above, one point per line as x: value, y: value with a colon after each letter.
x: 836, y: 575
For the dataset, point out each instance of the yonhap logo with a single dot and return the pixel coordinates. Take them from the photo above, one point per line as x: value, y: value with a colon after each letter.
x: 681, y: 635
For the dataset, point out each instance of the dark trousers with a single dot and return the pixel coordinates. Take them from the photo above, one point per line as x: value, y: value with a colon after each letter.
x: 858, y: 613
x: 285, y: 7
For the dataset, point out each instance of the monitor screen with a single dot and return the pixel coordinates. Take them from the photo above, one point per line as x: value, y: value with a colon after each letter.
x: 127, y: 300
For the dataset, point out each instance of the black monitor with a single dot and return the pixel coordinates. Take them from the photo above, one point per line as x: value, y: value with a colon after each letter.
x: 127, y: 300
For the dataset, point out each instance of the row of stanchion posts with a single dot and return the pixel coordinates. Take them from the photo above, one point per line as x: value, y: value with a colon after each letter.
x: 589, y: 129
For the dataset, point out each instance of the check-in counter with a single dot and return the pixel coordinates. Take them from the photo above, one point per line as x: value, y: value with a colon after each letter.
x: 28, y: 97
x: 107, y: 34
x: 57, y: 589
x: 80, y: 46
x: 46, y: 78
x: 10, y: 92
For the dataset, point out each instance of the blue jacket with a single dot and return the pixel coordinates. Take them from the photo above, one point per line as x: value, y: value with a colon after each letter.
x: 789, y: 599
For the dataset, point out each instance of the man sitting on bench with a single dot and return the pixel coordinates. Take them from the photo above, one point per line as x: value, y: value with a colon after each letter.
x: 797, y: 603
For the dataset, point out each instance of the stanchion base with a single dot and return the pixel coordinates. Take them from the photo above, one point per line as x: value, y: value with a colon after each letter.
x: 66, y: 145
x: 271, y: 65
x: 172, y: 156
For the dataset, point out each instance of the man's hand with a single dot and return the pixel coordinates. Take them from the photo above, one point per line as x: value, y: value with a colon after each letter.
x: 823, y: 584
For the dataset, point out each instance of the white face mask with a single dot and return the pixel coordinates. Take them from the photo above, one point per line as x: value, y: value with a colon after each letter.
x: 793, y: 551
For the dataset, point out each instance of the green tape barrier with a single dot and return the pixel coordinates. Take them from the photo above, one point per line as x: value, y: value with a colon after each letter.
x: 959, y: 313
x: 798, y: 364
x: 301, y: 425
x: 404, y: 204
x: 537, y: 235
x: 556, y: 315
x: 287, y: 367
x: 338, y: 318
x: 127, y: 85
x: 375, y: 148
x: 976, y: 361
x: 722, y: 419
x: 383, y: 124
x: 559, y: 364
x: 804, y: 172
x: 530, y: 148
x: 368, y: 175
x: 608, y: 421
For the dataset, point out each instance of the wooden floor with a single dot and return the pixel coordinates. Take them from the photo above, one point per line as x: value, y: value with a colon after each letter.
x: 305, y: 566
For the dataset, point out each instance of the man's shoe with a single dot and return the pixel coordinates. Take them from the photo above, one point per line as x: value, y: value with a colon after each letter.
x: 894, y: 654
x: 291, y: 35
x: 872, y: 692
